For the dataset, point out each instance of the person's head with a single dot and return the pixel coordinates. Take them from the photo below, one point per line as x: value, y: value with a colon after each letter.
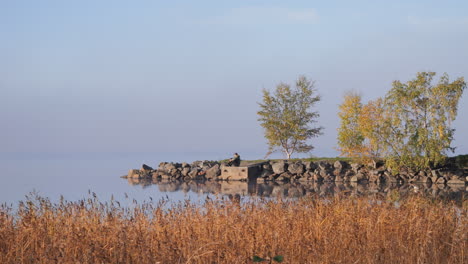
x: 235, y: 154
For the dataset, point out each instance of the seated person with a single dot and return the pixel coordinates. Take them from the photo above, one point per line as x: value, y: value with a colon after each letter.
x: 234, y: 161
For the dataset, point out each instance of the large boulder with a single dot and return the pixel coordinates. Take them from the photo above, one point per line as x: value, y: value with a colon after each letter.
x: 279, y: 167
x: 323, y: 165
x: 213, y: 172
x: 296, y: 168
x: 197, y: 163
x: 309, y: 165
x: 185, y: 171
x: 169, y: 167
x: 267, y: 170
x: 339, y: 165
x: 193, y: 173
x: 146, y: 168
x: 267, y: 166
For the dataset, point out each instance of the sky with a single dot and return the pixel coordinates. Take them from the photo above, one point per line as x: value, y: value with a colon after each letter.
x: 187, y: 76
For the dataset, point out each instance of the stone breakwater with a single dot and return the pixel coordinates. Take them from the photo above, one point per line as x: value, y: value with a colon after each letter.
x: 305, y: 171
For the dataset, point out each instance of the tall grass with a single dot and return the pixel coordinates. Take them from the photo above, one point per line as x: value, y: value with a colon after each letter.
x: 351, y: 230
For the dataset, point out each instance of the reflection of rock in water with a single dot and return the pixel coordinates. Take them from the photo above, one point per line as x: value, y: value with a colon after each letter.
x: 295, y: 189
x: 234, y: 187
x: 143, y: 182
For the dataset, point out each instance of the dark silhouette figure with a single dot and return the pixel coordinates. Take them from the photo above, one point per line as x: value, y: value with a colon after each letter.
x: 234, y: 161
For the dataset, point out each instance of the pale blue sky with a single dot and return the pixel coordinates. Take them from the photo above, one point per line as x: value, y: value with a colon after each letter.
x: 186, y: 76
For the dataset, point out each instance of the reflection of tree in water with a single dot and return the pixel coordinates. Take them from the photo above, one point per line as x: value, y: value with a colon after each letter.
x: 308, y: 189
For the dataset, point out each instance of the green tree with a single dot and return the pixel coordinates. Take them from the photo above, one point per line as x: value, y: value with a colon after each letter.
x: 420, y: 115
x: 287, y: 118
x: 410, y: 127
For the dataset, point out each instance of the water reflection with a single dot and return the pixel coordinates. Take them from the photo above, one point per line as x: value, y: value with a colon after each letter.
x: 456, y: 193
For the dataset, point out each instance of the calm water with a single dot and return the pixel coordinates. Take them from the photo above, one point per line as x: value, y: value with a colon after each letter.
x: 73, y: 177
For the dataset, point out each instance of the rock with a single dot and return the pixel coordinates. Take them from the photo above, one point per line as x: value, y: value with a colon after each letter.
x: 329, y: 178
x: 296, y: 168
x: 287, y: 175
x: 155, y: 175
x: 165, y: 176
x: 205, y: 167
x: 339, y: 165
x: 337, y: 172
x: 359, y: 177
x: 441, y: 180
x: 213, y: 172
x: 279, y: 167
x: 266, y: 173
x: 185, y: 171
x: 196, y: 164
x: 317, y: 178
x: 323, y: 165
x: 135, y: 174
x: 193, y: 173
x: 309, y: 165
x: 302, y: 179
x: 267, y: 166
x: 168, y: 167
x: 356, y: 166
x: 426, y: 179
x: 374, y: 177
x: 435, y: 174
x: 145, y: 167
x: 422, y: 173
x: 339, y: 178
x: 455, y: 181
x: 381, y: 169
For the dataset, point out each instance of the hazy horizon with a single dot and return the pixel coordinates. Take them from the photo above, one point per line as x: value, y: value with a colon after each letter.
x: 185, y: 77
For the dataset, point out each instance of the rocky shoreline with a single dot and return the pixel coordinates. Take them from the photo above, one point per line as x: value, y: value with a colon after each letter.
x: 305, y: 171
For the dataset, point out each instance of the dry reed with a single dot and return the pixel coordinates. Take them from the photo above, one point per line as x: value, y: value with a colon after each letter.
x: 340, y: 230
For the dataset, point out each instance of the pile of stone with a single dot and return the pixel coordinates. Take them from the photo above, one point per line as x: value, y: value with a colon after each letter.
x: 305, y: 171
x: 198, y: 170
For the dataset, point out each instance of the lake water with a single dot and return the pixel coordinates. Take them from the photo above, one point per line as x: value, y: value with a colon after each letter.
x: 75, y: 176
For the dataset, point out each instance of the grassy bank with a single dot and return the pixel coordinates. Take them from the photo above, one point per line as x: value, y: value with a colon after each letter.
x: 351, y: 230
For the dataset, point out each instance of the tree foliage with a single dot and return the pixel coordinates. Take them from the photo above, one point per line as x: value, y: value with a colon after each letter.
x: 409, y: 127
x: 286, y: 117
x: 350, y: 136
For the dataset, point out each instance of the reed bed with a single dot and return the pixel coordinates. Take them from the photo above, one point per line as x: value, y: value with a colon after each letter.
x: 340, y: 230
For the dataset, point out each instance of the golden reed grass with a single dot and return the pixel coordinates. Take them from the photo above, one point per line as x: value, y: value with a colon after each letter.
x: 340, y: 230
